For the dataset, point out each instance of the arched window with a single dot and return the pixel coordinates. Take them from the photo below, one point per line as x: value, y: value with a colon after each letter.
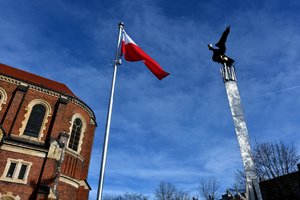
x: 35, y: 121
x: 75, y: 134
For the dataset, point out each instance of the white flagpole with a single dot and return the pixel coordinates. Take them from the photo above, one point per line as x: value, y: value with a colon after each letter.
x: 109, y: 112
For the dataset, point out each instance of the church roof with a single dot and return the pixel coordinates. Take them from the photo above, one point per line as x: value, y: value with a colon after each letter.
x: 34, y: 79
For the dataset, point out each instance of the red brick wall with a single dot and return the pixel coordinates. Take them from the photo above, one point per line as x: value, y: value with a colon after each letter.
x: 72, y: 166
x: 23, y: 190
x: 9, y: 88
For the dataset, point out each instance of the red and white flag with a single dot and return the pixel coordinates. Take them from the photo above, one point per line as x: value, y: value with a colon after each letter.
x: 132, y: 52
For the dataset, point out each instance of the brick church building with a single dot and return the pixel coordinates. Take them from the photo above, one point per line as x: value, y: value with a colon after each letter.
x: 46, y: 137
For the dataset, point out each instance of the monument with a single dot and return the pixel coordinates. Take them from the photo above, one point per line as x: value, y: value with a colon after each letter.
x: 228, y: 74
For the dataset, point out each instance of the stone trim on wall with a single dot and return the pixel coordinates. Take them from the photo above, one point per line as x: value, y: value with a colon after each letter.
x: 26, y: 151
x: 75, y: 183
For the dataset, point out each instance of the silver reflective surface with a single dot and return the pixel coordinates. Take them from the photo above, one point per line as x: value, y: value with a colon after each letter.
x: 241, y: 132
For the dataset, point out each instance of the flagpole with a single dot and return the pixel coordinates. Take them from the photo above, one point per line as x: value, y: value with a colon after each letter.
x: 117, y: 62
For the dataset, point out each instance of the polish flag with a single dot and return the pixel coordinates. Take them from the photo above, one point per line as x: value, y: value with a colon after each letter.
x: 132, y: 52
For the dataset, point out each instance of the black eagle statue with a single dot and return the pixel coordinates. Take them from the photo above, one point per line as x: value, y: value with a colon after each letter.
x: 219, y: 53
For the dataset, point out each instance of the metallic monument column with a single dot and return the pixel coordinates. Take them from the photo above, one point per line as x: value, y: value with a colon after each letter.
x: 229, y: 78
x: 228, y: 73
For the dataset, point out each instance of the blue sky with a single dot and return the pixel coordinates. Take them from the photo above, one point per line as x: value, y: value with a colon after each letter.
x: 178, y: 129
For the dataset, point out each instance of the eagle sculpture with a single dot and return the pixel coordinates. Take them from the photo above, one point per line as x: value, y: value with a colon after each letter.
x: 219, y: 53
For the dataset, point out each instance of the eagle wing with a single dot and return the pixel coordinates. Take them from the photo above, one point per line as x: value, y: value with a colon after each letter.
x: 222, y: 41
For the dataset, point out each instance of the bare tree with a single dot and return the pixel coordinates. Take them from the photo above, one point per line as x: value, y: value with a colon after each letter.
x: 208, y: 189
x: 127, y: 196
x: 239, y: 185
x: 275, y: 159
x: 112, y: 197
x: 165, y: 191
x: 182, y: 195
x: 134, y: 196
x: 271, y: 160
x: 168, y: 191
